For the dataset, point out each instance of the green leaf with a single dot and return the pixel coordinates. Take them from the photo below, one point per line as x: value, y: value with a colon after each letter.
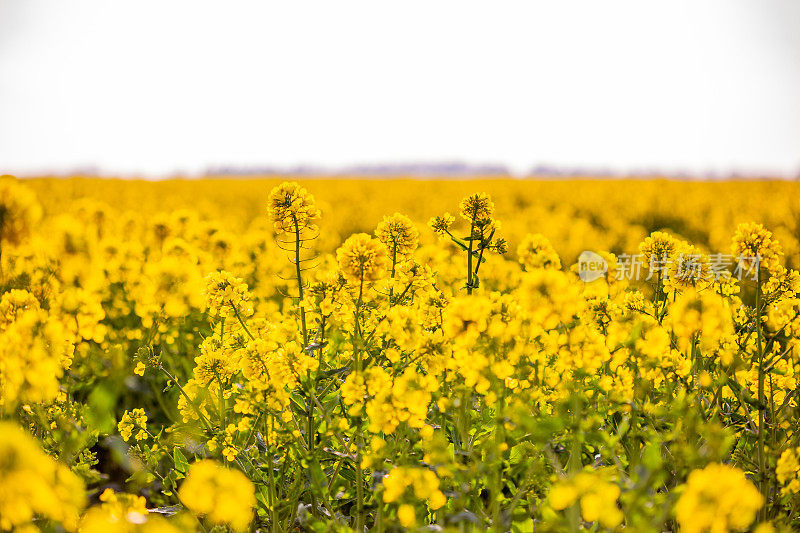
x: 101, y: 404
x: 318, y: 476
x: 181, y: 465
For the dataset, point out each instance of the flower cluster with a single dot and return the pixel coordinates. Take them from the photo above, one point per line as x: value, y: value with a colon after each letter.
x: 135, y: 420
x: 399, y: 235
x: 597, y: 498
x: 19, y: 211
x: 477, y: 208
x: 753, y: 242
x: 291, y: 208
x: 121, y: 513
x: 788, y: 470
x: 33, y: 485
x: 35, y: 349
x: 717, y: 498
x: 226, y: 294
x: 535, y: 251
x: 424, y: 485
x: 363, y: 259
x: 222, y: 495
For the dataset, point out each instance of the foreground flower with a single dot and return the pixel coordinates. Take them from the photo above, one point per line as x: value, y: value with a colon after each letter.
x: 718, y: 498
x: 423, y: 482
x: 477, y: 208
x: 123, y: 513
x: 657, y: 251
x: 135, y: 420
x: 597, y: 498
x: 222, y: 495
x: 227, y: 295
x: 788, y: 470
x: 33, y: 485
x: 35, y: 349
x: 291, y: 208
x: 753, y: 245
x: 362, y: 258
x: 441, y: 224
x: 399, y: 235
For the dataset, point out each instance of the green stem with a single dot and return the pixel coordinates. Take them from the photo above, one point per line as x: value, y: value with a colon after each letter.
x: 761, y: 453
x: 189, y: 400
x: 575, y: 463
x: 239, y: 318
x: 469, y: 258
x: 357, y: 338
x: 272, y: 495
x: 359, y: 484
x: 299, y: 273
x: 394, y: 265
x: 497, y: 470
x: 221, y: 402
x: 311, y: 436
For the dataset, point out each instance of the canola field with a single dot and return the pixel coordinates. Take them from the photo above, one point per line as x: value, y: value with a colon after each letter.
x: 391, y: 355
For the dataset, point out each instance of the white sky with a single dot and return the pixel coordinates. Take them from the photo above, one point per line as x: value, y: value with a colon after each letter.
x: 156, y: 87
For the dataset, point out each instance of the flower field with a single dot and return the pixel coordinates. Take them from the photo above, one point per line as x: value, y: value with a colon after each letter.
x: 387, y: 355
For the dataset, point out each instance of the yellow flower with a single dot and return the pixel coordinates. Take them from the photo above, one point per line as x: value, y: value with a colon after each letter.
x: 140, y: 368
x: 441, y: 224
x: 597, y: 498
x: 221, y: 495
x: 13, y: 303
x: 100, y: 519
x: 33, y: 485
x: 123, y: 513
x: 788, y: 470
x: 754, y: 242
x: 35, y: 348
x: 424, y: 482
x: 406, y: 515
x: 535, y: 251
x: 227, y: 295
x: 634, y: 300
x: 133, y: 420
x: 353, y: 389
x: 700, y: 316
x: 399, y: 235
x: 213, y: 363
x: 562, y: 495
x: 82, y: 312
x: 229, y: 452
x: 291, y: 208
x: 718, y: 498
x: 362, y: 258
x: 437, y: 500
x: 477, y: 208
x: 689, y: 268
x: 467, y: 317
x: 658, y: 249
x: 19, y: 211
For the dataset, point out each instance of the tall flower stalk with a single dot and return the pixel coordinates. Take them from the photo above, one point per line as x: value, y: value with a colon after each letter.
x: 477, y: 210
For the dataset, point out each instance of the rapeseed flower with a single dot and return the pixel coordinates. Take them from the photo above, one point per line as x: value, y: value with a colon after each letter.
x: 717, y: 498
x: 222, y: 496
x: 33, y: 485
x: 363, y: 259
x: 135, y: 420
x: 292, y: 208
x: 399, y: 235
x: 753, y: 245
